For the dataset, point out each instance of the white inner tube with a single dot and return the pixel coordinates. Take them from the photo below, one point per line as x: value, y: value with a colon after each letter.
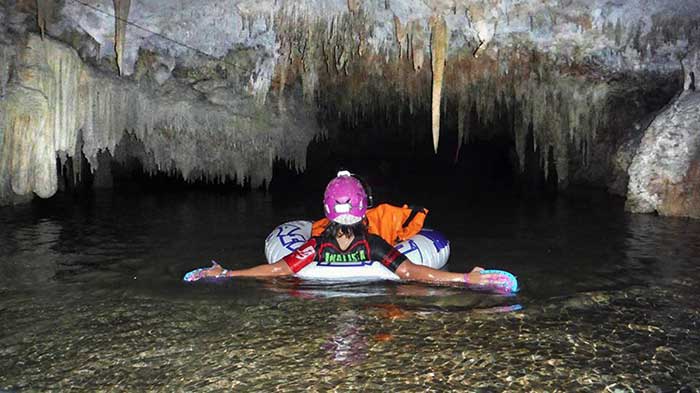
x: 428, y: 248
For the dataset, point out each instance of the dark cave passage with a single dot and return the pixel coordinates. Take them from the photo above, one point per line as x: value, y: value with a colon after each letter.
x: 398, y: 159
x: 392, y: 150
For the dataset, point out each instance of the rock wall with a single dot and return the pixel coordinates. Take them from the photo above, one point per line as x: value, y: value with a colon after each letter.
x: 665, y: 173
x: 53, y: 97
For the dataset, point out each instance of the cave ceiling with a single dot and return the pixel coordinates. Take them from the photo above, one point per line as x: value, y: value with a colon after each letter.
x: 551, y: 67
x: 358, y: 57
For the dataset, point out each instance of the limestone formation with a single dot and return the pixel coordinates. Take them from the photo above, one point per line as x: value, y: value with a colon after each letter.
x: 665, y: 173
x: 542, y: 74
x: 121, y: 18
x: 438, y: 50
x: 55, y: 96
x: 44, y: 9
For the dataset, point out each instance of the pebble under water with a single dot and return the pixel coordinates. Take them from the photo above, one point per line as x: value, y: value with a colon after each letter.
x: 91, y: 300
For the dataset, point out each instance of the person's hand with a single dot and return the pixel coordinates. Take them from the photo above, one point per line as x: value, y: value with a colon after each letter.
x: 474, y: 276
x: 497, y: 281
x: 215, y: 271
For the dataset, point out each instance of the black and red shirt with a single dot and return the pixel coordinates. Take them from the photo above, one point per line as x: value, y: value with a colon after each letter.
x: 362, y: 251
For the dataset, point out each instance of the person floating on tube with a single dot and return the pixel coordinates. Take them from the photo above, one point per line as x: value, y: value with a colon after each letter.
x: 345, y: 236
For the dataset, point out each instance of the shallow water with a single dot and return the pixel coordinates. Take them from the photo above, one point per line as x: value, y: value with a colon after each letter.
x: 91, y: 300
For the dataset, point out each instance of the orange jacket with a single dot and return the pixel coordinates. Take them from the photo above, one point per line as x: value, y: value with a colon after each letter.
x: 394, y: 224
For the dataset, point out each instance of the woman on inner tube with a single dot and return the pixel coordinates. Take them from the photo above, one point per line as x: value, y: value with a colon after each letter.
x: 345, y: 203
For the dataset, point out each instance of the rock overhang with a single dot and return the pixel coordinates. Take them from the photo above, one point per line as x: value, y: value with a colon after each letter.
x: 216, y: 26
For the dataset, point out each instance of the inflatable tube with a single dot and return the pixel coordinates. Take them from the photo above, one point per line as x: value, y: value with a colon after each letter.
x: 428, y: 248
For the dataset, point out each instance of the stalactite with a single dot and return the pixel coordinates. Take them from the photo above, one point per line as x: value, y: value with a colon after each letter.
x: 283, y: 66
x: 7, y: 60
x: 121, y: 16
x: 356, y: 66
x: 339, y: 59
x: 564, y: 112
x: 42, y: 104
x: 353, y: 6
x: 310, y: 80
x: 261, y: 79
x: 460, y: 126
x: 26, y: 112
x: 57, y: 95
x: 417, y: 45
x: 400, y: 32
x: 310, y: 63
x: 438, y: 50
x: 44, y: 8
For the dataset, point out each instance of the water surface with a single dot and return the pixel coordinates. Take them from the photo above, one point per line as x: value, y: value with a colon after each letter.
x: 91, y: 300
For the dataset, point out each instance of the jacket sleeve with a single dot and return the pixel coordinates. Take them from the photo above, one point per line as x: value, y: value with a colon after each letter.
x: 302, y: 256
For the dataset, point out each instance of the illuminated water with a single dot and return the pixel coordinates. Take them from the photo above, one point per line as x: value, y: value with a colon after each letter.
x: 91, y: 300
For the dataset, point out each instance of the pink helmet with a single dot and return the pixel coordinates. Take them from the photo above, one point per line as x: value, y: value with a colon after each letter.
x: 345, y: 200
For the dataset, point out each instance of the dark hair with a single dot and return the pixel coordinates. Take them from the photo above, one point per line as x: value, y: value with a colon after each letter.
x: 333, y: 228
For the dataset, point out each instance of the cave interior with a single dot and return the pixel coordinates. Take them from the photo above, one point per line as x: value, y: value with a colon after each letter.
x: 482, y: 98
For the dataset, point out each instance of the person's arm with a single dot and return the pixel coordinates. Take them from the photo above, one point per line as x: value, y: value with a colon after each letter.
x: 410, y: 271
x: 495, y: 281
x: 397, y: 262
x: 286, y: 266
x: 279, y: 268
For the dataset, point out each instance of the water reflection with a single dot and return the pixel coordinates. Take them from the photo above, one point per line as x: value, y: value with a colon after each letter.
x: 347, y: 344
x: 27, y: 254
x: 404, y: 294
x: 663, y: 249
